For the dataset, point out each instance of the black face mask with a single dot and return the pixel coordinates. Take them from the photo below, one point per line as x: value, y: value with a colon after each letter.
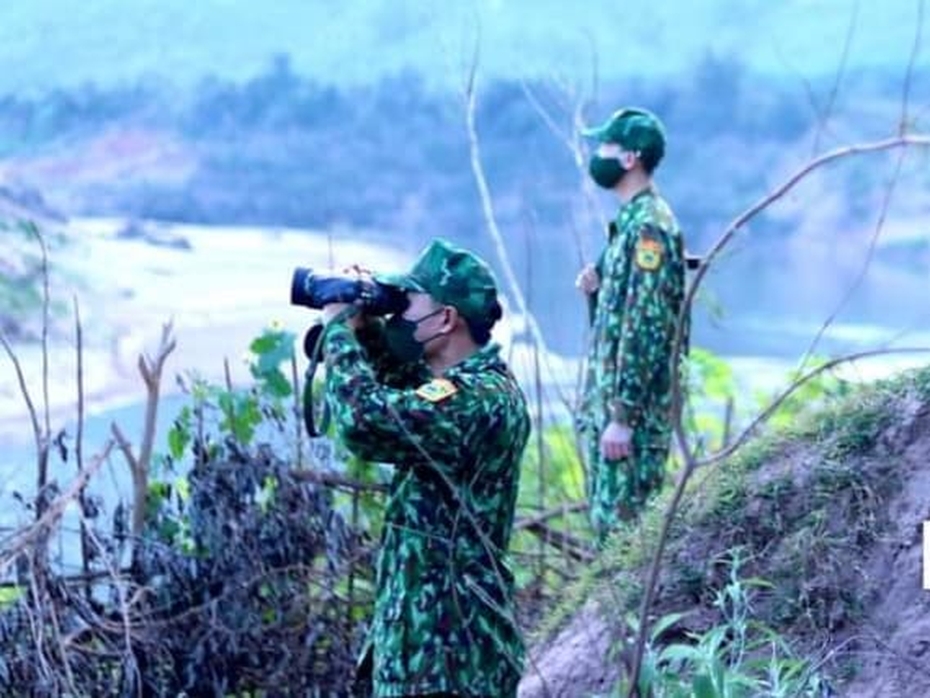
x: 606, y: 172
x: 398, y: 333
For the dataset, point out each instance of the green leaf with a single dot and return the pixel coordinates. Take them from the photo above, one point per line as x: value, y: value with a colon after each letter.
x: 702, y: 686
x: 647, y: 676
x: 678, y: 653
x: 265, y: 496
x: 10, y: 595
x: 666, y: 622
x: 272, y: 348
x: 276, y: 384
x: 179, y: 436
x: 183, y: 488
x: 241, y: 414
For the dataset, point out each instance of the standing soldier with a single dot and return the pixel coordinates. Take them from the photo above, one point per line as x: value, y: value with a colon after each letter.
x: 635, y: 294
x: 427, y: 392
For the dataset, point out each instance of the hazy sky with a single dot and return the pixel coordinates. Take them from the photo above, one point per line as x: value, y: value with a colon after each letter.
x: 47, y: 43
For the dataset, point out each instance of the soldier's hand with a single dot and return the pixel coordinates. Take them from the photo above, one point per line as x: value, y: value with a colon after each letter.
x: 615, y: 441
x: 588, y: 281
x: 331, y: 310
x: 358, y: 271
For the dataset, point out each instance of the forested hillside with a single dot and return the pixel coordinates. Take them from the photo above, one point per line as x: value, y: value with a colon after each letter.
x: 389, y: 161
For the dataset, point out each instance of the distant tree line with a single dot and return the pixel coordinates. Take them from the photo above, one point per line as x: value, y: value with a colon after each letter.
x: 282, y: 149
x: 391, y: 160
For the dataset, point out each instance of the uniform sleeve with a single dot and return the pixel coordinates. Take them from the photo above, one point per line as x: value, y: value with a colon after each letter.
x: 648, y: 319
x: 613, y: 271
x: 592, y: 298
x: 379, y: 422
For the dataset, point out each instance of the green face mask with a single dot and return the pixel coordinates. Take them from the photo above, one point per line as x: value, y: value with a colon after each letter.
x: 398, y: 333
x: 606, y: 172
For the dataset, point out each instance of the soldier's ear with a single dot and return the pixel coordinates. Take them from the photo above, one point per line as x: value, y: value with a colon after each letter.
x: 450, y: 317
x: 629, y: 158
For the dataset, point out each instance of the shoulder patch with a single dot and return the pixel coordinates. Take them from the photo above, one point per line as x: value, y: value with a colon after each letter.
x: 649, y: 251
x: 437, y: 390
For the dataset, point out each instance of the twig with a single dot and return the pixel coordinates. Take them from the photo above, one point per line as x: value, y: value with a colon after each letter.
x: 124, y: 445
x: 687, y: 471
x: 62, y: 651
x: 561, y: 511
x: 79, y: 437
x: 797, y: 384
x: 538, y: 420
x: 41, y: 438
x: 43, y: 449
x: 125, y: 614
x: 866, y: 264
x: 227, y: 374
x: 487, y: 208
x: 331, y: 479
x: 37, y: 627
x: 909, y: 73
x: 748, y: 215
x: 573, y: 144
x: 886, y: 201
x: 151, y: 370
x: 691, y: 464
x: 15, y: 544
x: 834, y: 91
x: 298, y: 422
x: 570, y: 546
x: 23, y: 388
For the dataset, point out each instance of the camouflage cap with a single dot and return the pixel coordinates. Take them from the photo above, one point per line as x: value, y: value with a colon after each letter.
x: 634, y: 129
x: 452, y: 276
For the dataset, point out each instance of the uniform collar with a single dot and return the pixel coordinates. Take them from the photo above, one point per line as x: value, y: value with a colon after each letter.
x: 648, y: 191
x: 485, y: 358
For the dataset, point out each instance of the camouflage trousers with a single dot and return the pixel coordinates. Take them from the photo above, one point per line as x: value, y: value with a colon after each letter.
x: 619, y: 489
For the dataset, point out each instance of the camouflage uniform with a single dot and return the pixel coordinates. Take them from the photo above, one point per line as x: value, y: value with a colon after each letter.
x: 634, y: 316
x: 444, y: 615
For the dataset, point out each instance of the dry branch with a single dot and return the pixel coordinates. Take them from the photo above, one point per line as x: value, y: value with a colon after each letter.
x: 23, y: 388
x: 14, y: 546
x: 691, y: 463
x: 497, y: 238
x: 553, y: 513
x: 569, y: 545
x: 151, y: 371
x: 330, y: 479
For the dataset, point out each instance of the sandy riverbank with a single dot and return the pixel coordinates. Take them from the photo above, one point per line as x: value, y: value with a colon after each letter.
x: 218, y: 286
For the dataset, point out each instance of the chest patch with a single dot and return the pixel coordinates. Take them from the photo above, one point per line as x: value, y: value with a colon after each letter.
x: 649, y: 253
x: 437, y: 390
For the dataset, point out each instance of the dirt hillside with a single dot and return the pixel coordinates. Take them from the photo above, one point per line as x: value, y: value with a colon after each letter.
x: 829, y: 514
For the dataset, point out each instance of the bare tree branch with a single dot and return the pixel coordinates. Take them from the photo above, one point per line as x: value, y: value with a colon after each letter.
x: 41, y: 433
x: 741, y: 220
x: 151, y: 372
x: 570, y: 546
x: 866, y: 264
x: 553, y: 513
x: 487, y: 207
x: 835, y: 90
x: 332, y: 479
x: 298, y: 421
x: 13, y: 546
x: 23, y: 388
x: 79, y: 437
x: 909, y: 73
x: 43, y: 452
x: 795, y: 385
x: 691, y: 463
